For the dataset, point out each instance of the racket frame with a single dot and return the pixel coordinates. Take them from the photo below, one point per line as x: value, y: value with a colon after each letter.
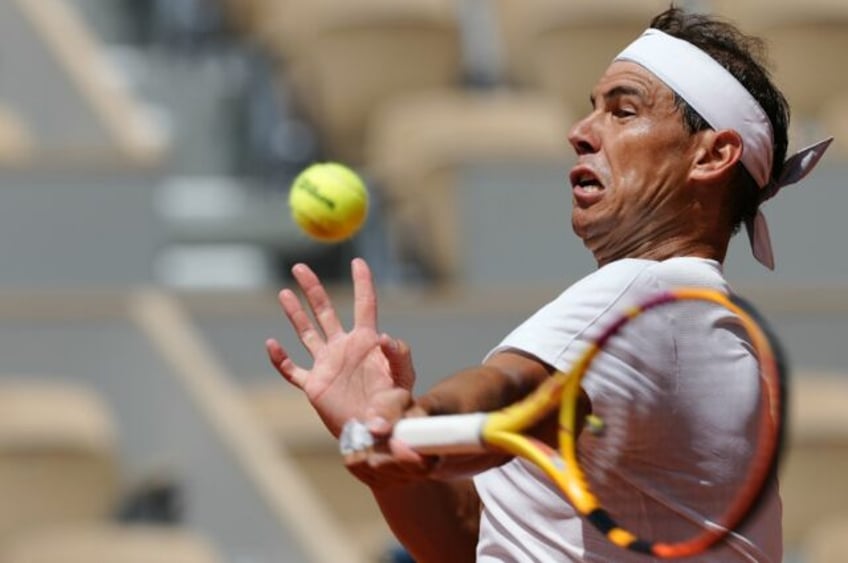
x: 499, y: 430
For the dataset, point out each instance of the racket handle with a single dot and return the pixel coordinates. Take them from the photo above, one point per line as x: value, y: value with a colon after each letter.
x: 443, y: 434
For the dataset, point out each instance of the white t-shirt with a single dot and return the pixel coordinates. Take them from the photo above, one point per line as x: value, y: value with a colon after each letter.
x: 527, y: 519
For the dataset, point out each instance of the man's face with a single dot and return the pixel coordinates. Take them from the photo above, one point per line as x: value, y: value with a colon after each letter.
x: 634, y: 157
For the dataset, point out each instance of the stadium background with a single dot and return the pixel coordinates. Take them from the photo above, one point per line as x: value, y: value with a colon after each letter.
x: 146, y: 148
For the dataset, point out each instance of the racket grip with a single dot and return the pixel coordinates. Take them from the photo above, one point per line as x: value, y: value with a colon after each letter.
x: 443, y: 434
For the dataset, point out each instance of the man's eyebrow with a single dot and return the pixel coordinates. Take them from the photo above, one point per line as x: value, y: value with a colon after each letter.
x: 617, y: 91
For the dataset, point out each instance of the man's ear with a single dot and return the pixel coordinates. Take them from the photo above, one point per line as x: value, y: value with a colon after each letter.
x: 716, y: 156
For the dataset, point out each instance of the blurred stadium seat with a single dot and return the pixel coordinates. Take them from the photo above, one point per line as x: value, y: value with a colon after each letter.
x: 816, y: 462
x: 564, y: 47
x: 416, y: 145
x: 70, y: 105
x: 58, y: 458
x: 111, y: 543
x: 299, y: 432
x: 16, y: 142
x: 346, y: 58
x: 828, y: 541
x: 245, y: 16
x: 804, y: 40
x: 834, y: 120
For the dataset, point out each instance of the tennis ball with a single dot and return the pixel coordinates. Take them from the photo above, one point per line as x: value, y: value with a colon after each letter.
x: 329, y: 201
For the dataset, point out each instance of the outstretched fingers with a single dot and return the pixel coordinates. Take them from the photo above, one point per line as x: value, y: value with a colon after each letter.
x: 281, y: 361
x: 302, y: 324
x: 318, y: 300
x: 364, y: 295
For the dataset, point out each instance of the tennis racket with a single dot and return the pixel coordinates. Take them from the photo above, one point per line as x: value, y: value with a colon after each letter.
x: 650, y: 481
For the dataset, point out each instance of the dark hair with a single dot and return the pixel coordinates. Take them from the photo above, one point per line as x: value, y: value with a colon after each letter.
x: 744, y: 57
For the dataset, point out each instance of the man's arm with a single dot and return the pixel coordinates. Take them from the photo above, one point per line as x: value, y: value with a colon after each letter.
x: 359, y: 373
x: 430, y: 503
x: 437, y: 521
x: 505, y: 378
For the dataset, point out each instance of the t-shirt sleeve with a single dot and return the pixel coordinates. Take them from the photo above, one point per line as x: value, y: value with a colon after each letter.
x: 557, y: 333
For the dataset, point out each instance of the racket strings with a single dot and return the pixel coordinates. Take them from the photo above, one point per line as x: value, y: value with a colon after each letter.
x: 638, y: 447
x: 640, y: 471
x: 740, y: 544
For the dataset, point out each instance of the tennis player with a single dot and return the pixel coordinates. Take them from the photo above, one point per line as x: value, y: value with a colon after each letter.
x: 686, y: 137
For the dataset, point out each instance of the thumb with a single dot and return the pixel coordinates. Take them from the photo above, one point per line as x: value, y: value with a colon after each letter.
x: 385, y: 408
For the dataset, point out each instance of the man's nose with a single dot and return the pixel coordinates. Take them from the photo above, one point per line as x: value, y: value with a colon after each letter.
x: 583, y: 136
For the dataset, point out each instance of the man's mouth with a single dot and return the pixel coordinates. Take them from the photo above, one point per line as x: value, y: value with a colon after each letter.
x: 583, y: 178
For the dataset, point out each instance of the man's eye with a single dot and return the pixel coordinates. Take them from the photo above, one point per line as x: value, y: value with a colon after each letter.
x: 623, y: 112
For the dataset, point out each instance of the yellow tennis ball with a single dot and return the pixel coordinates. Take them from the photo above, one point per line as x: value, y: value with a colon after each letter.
x: 329, y: 201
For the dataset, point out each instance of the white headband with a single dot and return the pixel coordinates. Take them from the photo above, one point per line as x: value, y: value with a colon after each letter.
x: 724, y: 103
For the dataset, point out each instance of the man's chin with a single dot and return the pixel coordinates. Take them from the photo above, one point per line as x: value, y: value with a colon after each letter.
x: 580, y: 224
x: 598, y: 241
